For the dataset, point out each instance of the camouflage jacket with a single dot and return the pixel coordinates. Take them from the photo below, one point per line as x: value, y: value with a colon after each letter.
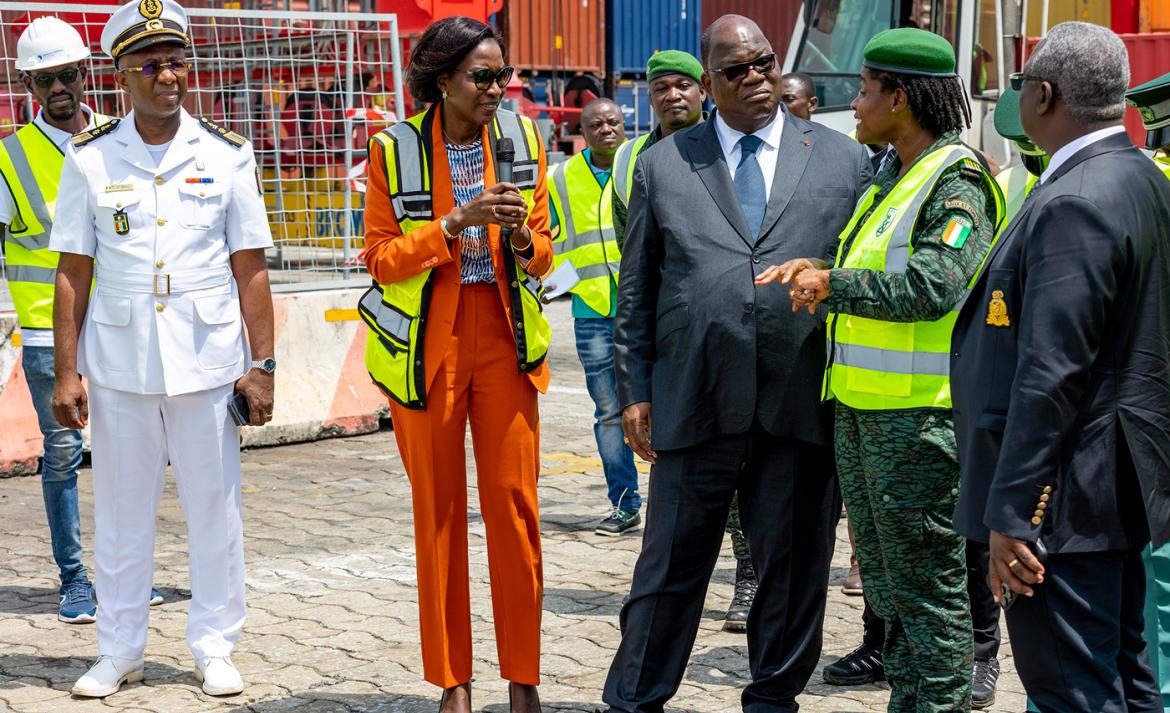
x: 937, y: 275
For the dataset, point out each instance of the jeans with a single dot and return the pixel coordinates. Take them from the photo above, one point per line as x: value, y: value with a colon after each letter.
x: 595, y: 349
x: 58, y: 467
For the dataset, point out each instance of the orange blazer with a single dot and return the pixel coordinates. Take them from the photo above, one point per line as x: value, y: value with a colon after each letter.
x: 392, y: 256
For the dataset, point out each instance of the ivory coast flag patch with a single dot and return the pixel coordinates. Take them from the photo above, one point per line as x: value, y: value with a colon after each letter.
x: 956, y: 232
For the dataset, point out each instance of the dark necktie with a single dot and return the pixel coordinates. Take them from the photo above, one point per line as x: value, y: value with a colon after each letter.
x: 749, y: 184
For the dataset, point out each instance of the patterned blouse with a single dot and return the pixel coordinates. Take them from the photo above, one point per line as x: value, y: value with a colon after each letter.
x: 466, y: 163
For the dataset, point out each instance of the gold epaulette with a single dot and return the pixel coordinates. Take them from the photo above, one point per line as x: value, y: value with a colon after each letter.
x: 229, y: 136
x: 85, y: 137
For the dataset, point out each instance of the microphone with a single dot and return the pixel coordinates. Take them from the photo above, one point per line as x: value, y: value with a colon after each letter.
x: 505, y: 155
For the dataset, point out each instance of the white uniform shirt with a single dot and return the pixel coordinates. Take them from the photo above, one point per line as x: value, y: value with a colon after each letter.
x: 766, y: 155
x: 147, y: 224
x: 40, y: 337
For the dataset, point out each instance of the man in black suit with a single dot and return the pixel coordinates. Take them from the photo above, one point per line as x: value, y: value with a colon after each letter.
x: 1061, y: 385
x: 732, y: 373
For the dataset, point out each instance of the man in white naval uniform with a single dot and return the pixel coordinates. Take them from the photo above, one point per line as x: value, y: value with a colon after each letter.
x: 164, y: 212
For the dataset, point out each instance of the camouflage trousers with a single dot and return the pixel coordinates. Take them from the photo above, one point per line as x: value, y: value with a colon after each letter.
x: 899, y: 475
x: 738, y: 542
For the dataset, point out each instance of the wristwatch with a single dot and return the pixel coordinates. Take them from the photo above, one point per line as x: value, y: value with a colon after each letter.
x: 443, y: 227
x: 268, y: 365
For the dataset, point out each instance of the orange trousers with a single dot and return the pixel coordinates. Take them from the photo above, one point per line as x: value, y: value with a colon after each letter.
x: 477, y: 381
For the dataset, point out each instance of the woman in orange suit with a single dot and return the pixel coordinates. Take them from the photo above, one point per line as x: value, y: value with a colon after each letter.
x: 469, y: 355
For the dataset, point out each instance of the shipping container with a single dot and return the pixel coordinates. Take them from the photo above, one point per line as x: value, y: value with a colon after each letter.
x: 777, y: 18
x: 636, y: 29
x: 555, y: 35
x: 1159, y: 15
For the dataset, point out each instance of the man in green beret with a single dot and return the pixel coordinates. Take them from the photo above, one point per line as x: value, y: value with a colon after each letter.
x: 677, y: 96
x: 913, y: 247
x: 1017, y: 181
x: 1152, y: 100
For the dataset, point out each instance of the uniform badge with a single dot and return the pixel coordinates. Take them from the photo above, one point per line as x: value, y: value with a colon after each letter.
x: 121, y: 222
x: 200, y: 166
x: 997, y: 311
x: 119, y: 187
x: 887, y: 220
x: 150, y: 9
x: 956, y: 232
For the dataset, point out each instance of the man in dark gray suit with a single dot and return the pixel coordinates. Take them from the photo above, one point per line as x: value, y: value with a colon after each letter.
x: 1061, y: 385
x: 731, y: 374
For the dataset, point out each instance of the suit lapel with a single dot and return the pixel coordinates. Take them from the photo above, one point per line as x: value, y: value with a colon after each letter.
x: 791, y: 161
x: 706, y: 156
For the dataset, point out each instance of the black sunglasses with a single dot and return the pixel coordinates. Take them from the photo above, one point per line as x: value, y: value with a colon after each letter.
x: 734, y: 72
x: 1017, y: 80
x: 483, y: 77
x: 152, y: 69
x: 67, y: 77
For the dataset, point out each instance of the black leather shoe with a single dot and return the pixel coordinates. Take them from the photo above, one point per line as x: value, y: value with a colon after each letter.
x: 983, y: 681
x: 745, y: 594
x: 858, y: 667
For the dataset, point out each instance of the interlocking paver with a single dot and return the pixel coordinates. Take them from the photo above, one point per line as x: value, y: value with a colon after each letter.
x: 333, y: 623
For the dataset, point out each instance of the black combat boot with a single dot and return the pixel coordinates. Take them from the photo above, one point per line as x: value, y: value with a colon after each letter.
x: 745, y: 594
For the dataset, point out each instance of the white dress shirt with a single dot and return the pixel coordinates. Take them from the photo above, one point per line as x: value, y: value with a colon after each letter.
x: 1067, y: 151
x: 767, y: 153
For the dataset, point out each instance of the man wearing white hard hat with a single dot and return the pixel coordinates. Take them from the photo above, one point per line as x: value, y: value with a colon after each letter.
x: 166, y: 217
x: 50, y: 58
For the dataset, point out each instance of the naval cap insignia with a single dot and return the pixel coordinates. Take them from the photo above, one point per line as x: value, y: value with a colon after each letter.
x: 150, y: 9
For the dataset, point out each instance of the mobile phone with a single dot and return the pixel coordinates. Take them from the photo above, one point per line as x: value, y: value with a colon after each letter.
x: 239, y: 410
x: 1007, y: 597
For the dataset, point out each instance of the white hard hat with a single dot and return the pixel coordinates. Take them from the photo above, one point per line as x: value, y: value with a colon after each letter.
x: 49, y: 42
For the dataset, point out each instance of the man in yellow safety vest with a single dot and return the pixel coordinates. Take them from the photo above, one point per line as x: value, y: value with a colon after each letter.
x: 51, y: 64
x: 581, y: 196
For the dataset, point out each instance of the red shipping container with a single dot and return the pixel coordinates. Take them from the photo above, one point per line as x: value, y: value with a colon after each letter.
x: 556, y: 35
x: 777, y: 18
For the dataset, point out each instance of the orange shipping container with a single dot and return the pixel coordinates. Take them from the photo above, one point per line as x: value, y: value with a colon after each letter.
x: 1159, y: 15
x: 556, y: 35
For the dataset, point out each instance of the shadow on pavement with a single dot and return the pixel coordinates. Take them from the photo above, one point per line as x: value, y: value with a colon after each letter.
x: 60, y: 673
x: 381, y: 703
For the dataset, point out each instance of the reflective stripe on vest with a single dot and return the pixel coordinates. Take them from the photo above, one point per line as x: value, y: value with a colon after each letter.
x: 623, y: 166
x: 396, y: 313
x: 31, y: 165
x: 587, y: 238
x: 877, y: 365
x: 1015, y: 183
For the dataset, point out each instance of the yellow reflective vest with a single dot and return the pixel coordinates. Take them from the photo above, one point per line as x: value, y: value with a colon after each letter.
x: 623, y: 166
x: 586, y: 238
x: 878, y: 365
x: 397, y: 313
x: 31, y: 165
x: 1163, y: 162
x: 1015, y: 183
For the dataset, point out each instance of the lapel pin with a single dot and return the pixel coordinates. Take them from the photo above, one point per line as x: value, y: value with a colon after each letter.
x: 997, y: 311
x: 198, y: 179
x: 806, y: 142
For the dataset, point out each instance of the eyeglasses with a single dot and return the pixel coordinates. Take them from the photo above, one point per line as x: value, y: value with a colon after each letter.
x: 1017, y: 80
x: 735, y: 72
x: 67, y: 77
x: 153, y: 69
x: 483, y: 78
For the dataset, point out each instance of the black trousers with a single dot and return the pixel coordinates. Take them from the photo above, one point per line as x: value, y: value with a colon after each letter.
x: 1078, y: 643
x: 984, y: 610
x: 789, y: 506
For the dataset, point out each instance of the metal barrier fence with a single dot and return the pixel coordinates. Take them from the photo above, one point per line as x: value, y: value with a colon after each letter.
x: 308, y: 88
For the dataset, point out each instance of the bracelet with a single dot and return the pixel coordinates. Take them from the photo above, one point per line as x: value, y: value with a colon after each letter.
x: 443, y: 227
x: 525, y: 247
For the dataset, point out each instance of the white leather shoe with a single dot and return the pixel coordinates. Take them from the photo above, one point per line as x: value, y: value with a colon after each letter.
x: 107, y: 675
x: 218, y: 676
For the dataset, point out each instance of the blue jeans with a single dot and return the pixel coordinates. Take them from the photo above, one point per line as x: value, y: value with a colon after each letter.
x: 58, y: 467
x: 595, y: 349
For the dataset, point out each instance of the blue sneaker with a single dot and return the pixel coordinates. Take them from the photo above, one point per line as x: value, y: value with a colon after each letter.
x: 156, y: 597
x: 77, y: 604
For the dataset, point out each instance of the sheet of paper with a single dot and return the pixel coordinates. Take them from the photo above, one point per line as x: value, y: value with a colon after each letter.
x: 562, y: 279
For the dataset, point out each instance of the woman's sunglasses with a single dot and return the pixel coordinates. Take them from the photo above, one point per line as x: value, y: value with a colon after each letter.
x: 483, y: 78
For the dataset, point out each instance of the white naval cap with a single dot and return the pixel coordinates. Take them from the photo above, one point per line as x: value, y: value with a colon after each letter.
x: 141, y: 23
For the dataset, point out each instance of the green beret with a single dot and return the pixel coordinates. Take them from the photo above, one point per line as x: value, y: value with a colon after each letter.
x: 1152, y: 100
x: 1007, y: 122
x: 673, y: 62
x: 909, y: 50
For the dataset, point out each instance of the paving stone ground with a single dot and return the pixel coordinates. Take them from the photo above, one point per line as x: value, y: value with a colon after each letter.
x: 332, y: 619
